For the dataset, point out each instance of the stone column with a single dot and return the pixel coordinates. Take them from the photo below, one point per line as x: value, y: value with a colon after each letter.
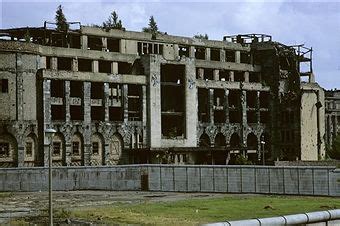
x: 54, y: 63
x: 216, y: 74
x: 176, y: 51
x: 246, y: 76
x: 237, y: 57
x: 211, y: 105
x: 222, y: 55
x: 47, y: 116
x: 83, y: 42
x: 106, y: 100
x: 75, y: 64
x: 125, y: 102
x: 114, y: 68
x: 192, y: 51
x: 231, y: 76
x: 87, y: 123
x: 207, y: 54
x: 95, y: 66
x: 104, y: 41
x: 200, y: 73
x: 145, y: 119
x: 226, y: 105
x: 21, y: 152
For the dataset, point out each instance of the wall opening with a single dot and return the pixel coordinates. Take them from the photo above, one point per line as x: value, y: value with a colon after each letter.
x: 113, y: 45
x: 58, y: 112
x: 74, y: 41
x: 264, y: 99
x: 254, y: 77
x: 76, y: 113
x: 230, y: 56
x: 97, y: 90
x: 251, y: 117
x: 208, y: 74
x: 239, y: 76
x: 220, y: 140
x: 183, y: 51
x: 235, y: 141
x: 104, y: 66
x: 264, y: 117
x: 251, y: 99
x: 200, y: 53
x: 116, y: 114
x: 134, y: 102
x: 214, y: 54
x: 97, y: 113
x: 94, y: 43
x: 57, y: 88
x: 4, y: 85
x: 64, y: 63
x: 84, y: 65
x: 204, y: 140
x: 203, y: 105
x: 224, y: 75
x: 76, y: 89
x: 124, y: 68
x: 245, y: 57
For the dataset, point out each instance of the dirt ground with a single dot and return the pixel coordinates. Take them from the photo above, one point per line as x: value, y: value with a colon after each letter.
x: 35, y: 204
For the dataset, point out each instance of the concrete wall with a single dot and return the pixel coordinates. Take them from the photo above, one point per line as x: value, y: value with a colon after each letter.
x: 229, y: 179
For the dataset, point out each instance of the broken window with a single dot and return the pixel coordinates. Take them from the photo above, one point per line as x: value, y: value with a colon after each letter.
x: 251, y: 117
x: 172, y: 100
x: 113, y: 45
x: 239, y: 76
x: 134, y: 102
x: 58, y: 112
x: 149, y: 48
x: 48, y: 62
x: 85, y: 65
x: 29, y: 149
x: 200, y: 53
x: 208, y: 74
x: 234, y: 98
x: 235, y: 116
x: 95, y: 148
x: 254, y: 77
x: 97, y: 113
x: 264, y: 117
x: 230, y: 56
x: 219, y: 98
x: 235, y: 141
x: 203, y: 105
x: 104, y: 66
x: 94, y: 43
x: 183, y: 51
x: 56, y: 148
x: 75, y: 41
x: 76, y: 89
x: 97, y: 90
x: 224, y: 75
x: 124, y: 68
x: 58, y: 40
x: 264, y: 99
x: 245, y: 57
x: 215, y: 54
x: 64, y: 63
x: 251, y: 99
x: 219, y: 116
x: 252, y: 142
x: 57, y: 88
x: 4, y: 85
x: 4, y: 149
x: 76, y: 113
x: 116, y: 114
x: 75, y: 148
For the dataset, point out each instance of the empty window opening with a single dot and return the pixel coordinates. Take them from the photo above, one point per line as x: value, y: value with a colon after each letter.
x: 76, y: 113
x: 251, y: 117
x: 200, y: 53
x: 58, y: 40
x: 58, y: 112
x: 245, y: 57
x: 95, y: 148
x: 94, y: 43
x: 239, y: 76
x: 284, y: 63
x: 208, y: 74
x: 116, y: 114
x: 29, y: 149
x: 4, y: 85
x: 97, y: 113
x: 113, y: 45
x: 204, y: 140
x: 215, y: 54
x: 235, y: 141
x: 104, y: 66
x: 97, y: 90
x: 134, y: 102
x: 64, y: 63
x: 235, y: 116
x: 172, y: 100
x: 76, y: 89
x: 75, y: 41
x: 56, y: 148
x: 234, y: 98
x: 137, y: 68
x: 4, y: 149
x: 264, y: 99
x: 48, y: 62
x: 224, y: 75
x: 219, y: 98
x: 252, y: 142
x: 203, y: 105
x: 115, y: 91
x: 85, y: 65
x: 219, y: 116
x: 254, y: 77
x: 124, y: 68
x: 264, y: 117
x: 57, y: 88
x: 75, y: 148
x: 183, y: 51
x: 220, y: 140
x: 251, y: 99
x: 230, y: 56
x: 149, y: 48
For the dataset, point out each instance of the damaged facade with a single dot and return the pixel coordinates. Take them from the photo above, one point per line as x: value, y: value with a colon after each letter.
x: 119, y: 97
x: 332, y: 102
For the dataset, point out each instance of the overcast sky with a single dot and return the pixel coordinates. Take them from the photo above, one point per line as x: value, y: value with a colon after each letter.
x: 315, y: 24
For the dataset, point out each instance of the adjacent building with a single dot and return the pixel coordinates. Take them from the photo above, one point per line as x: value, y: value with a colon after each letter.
x: 119, y: 97
x: 332, y: 102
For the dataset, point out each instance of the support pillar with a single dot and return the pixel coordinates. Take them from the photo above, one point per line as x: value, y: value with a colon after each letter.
x: 87, y: 123
x: 106, y: 100
x: 211, y: 105
x: 226, y: 105
x: 207, y: 54
x: 125, y: 102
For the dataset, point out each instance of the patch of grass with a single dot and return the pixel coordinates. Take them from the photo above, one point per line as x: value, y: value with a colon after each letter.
x: 5, y: 194
x: 195, y: 211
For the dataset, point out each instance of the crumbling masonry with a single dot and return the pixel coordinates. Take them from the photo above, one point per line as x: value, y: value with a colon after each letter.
x: 119, y: 97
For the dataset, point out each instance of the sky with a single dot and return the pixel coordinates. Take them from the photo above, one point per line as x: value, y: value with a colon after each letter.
x: 315, y: 24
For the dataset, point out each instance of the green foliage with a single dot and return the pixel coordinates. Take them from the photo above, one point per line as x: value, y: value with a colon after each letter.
x: 242, y: 160
x: 27, y: 36
x: 60, y: 20
x: 62, y: 213
x: 201, y: 36
x: 334, y: 151
x: 152, y: 28
x: 113, y: 22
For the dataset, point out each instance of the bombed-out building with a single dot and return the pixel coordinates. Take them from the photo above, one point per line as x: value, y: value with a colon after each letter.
x: 332, y: 102
x: 120, y: 97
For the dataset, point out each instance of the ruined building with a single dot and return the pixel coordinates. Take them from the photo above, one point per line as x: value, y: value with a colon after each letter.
x: 118, y: 97
x: 332, y: 105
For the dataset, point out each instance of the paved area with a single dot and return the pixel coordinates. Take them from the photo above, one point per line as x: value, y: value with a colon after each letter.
x: 30, y: 204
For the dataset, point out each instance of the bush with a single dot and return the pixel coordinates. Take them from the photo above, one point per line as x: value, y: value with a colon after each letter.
x: 334, y: 151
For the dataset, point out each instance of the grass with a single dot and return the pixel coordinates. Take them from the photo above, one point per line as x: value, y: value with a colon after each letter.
x: 195, y: 211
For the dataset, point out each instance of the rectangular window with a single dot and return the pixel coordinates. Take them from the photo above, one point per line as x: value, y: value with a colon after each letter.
x: 75, y: 148
x: 4, y: 85
x: 56, y: 148
x: 4, y: 150
x: 95, y: 148
x: 29, y: 146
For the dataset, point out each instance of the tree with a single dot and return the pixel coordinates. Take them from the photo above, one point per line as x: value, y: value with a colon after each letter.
x: 334, y: 151
x: 60, y: 19
x: 152, y: 28
x: 113, y: 23
x: 201, y: 36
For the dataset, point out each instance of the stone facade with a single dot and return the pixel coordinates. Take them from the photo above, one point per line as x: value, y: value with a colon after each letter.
x: 119, y: 97
x: 332, y: 119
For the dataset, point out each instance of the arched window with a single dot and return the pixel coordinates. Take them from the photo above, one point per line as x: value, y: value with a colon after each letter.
x: 204, y: 140
x: 30, y: 153
x: 116, y: 148
x: 77, y: 152
x: 8, y: 150
x: 58, y: 151
x: 235, y: 141
x: 97, y: 157
x: 219, y: 140
x: 252, y: 141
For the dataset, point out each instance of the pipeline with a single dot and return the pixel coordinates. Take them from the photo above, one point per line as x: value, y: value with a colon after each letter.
x: 304, y: 218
